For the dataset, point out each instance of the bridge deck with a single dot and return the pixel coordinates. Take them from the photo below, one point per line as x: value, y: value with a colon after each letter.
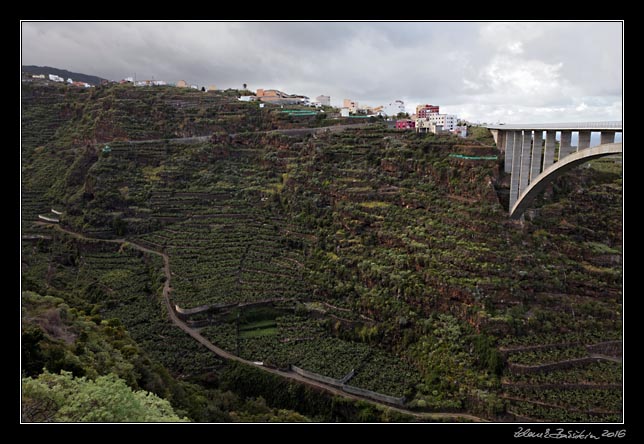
x: 592, y: 126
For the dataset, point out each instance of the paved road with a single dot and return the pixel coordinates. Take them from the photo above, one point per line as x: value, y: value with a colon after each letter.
x: 226, y: 355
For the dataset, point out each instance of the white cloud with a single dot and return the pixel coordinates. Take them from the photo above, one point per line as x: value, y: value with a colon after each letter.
x: 515, y: 48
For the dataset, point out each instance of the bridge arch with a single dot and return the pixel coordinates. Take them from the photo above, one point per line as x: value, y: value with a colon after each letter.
x: 556, y: 170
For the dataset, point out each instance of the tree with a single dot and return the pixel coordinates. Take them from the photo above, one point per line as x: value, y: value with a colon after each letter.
x: 245, y: 86
x: 203, y: 88
x: 64, y: 398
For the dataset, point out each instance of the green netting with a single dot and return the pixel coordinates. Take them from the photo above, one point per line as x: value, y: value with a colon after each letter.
x: 463, y: 156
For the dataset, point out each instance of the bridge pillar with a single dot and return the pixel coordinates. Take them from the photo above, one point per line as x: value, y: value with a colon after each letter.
x: 501, y: 140
x: 495, y: 136
x: 564, y: 146
x: 524, y: 179
x: 535, y: 163
x: 584, y: 140
x: 516, y: 166
x: 509, y: 150
x: 549, y: 149
x: 607, y: 137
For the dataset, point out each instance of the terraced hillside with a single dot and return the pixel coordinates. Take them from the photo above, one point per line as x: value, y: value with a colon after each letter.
x: 382, y: 260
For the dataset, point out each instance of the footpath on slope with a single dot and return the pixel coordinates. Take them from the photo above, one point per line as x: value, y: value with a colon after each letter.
x: 226, y: 355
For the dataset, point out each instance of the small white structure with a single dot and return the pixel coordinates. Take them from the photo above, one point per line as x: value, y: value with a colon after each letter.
x: 55, y: 78
x: 129, y: 79
x: 48, y: 219
x: 246, y: 98
x: 323, y: 100
x: 69, y: 80
x: 38, y: 76
x: 194, y: 87
x: 344, y: 112
x: 460, y: 131
x: 261, y: 105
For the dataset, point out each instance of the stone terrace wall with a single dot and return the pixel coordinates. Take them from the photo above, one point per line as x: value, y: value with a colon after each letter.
x: 373, y: 395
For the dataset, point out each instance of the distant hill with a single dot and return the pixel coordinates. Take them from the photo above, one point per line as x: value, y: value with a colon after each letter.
x: 76, y: 76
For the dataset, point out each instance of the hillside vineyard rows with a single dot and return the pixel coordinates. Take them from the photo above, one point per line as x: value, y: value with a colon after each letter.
x: 380, y: 258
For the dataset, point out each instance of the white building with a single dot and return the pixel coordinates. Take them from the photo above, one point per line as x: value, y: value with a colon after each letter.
x: 148, y: 82
x: 344, y: 112
x: 38, y: 76
x: 394, y: 108
x: 324, y: 100
x: 55, y: 78
x: 447, y: 121
x: 247, y: 98
x: 69, y: 80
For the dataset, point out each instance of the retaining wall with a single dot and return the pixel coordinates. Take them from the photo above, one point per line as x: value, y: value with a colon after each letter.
x: 341, y: 383
x: 562, y: 386
x: 316, y: 377
x: 373, y: 395
x: 523, y: 369
x: 613, y: 348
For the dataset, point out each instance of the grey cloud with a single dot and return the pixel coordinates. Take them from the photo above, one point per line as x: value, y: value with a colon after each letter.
x: 482, y: 69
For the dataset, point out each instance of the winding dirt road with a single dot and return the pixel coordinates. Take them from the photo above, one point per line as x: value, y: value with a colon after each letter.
x: 226, y: 355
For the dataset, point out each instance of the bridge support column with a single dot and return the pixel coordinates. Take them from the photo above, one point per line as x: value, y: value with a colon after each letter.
x: 495, y: 136
x: 509, y: 150
x: 607, y: 137
x: 584, y: 140
x: 501, y: 141
x: 535, y: 163
x: 564, y: 146
x: 549, y: 149
x: 515, y: 169
x: 526, y: 146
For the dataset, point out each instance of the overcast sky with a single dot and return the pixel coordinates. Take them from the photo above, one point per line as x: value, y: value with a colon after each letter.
x: 510, y: 72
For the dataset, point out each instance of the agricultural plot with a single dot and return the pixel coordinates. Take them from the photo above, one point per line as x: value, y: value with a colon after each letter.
x: 119, y: 283
x: 305, y: 342
x: 586, y: 392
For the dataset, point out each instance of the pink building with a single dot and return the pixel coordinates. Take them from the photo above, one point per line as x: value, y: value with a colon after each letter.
x: 405, y: 124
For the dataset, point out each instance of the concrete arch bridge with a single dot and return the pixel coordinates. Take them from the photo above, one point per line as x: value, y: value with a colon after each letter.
x: 534, y: 158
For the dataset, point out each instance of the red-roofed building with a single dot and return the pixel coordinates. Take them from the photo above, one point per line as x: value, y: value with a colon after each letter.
x: 423, y: 111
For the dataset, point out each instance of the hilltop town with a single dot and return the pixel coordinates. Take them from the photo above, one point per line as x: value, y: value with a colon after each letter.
x: 427, y: 118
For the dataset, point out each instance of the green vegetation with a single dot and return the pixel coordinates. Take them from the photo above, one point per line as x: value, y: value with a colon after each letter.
x: 382, y: 252
x: 64, y: 398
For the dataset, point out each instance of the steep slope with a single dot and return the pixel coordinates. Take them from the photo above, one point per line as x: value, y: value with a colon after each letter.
x: 383, y: 257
